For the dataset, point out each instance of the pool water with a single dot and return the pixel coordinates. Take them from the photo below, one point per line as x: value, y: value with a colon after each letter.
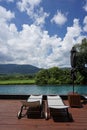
x: 44, y: 90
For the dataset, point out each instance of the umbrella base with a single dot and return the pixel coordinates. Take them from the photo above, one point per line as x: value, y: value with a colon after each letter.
x: 74, y: 100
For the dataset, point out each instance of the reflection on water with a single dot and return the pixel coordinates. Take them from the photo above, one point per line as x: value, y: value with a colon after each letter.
x: 44, y: 90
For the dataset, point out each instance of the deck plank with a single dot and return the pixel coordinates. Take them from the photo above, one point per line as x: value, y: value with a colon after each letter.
x: 9, y: 121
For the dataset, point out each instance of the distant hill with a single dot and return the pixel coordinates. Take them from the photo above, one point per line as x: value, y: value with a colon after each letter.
x: 18, y: 69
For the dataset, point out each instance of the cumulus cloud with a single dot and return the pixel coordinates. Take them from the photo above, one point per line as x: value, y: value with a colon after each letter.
x: 5, y: 15
x: 7, y: 0
x: 10, y: 0
x: 6, y: 30
x: 24, y: 5
x: 61, y: 54
x: 59, y: 18
x: 85, y: 6
x: 5, y: 33
x: 33, y: 44
x: 85, y: 24
x: 72, y: 34
x: 39, y: 18
x: 46, y: 51
x: 33, y: 10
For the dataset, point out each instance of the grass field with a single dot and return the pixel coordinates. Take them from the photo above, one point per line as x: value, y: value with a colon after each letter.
x: 8, y: 82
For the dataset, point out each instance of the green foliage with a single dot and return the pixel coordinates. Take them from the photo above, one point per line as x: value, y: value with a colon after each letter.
x: 66, y: 77
x: 82, y: 59
x: 42, y: 77
x: 53, y: 75
x: 79, y: 79
x: 17, y: 79
x: 82, y: 53
x: 54, y: 72
x: 52, y: 81
x: 56, y: 76
x: 15, y: 76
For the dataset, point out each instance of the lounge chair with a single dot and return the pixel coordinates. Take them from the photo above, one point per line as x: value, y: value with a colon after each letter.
x: 54, y: 106
x: 33, y: 107
x: 85, y: 98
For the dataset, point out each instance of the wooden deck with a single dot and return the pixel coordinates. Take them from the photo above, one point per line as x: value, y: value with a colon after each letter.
x: 9, y: 121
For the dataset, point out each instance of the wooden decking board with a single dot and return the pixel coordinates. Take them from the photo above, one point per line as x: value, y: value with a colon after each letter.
x: 9, y: 121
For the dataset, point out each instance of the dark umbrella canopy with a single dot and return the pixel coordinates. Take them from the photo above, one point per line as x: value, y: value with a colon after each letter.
x: 73, y: 57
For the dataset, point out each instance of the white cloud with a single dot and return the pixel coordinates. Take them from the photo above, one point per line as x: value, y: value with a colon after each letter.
x: 40, y: 17
x: 11, y: 0
x: 5, y: 33
x: 85, y: 6
x: 28, y: 6
x: 5, y: 19
x: 36, y: 14
x: 72, y: 34
x: 24, y: 5
x: 85, y: 24
x: 5, y: 15
x: 59, y: 18
x: 61, y: 50
x: 8, y: 0
x: 33, y: 45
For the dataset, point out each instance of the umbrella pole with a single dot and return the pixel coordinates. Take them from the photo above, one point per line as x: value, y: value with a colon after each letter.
x: 73, y: 86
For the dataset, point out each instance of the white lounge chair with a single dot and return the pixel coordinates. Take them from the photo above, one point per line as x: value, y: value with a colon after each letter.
x: 85, y: 98
x: 54, y: 104
x: 33, y: 105
x: 34, y: 98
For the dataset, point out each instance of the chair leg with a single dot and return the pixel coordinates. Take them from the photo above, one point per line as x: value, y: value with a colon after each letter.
x: 67, y: 113
x: 19, y: 115
x: 47, y: 114
x: 46, y: 111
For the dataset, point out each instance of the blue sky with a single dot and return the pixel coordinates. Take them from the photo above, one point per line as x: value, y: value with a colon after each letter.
x: 41, y: 32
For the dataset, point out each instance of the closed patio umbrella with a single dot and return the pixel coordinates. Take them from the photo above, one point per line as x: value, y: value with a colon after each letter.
x: 73, y: 57
x: 74, y: 98
x: 73, y: 60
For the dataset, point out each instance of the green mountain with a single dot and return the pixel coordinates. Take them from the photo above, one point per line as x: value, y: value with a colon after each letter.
x: 18, y: 69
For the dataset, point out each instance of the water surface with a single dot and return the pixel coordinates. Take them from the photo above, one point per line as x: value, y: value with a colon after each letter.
x: 44, y: 90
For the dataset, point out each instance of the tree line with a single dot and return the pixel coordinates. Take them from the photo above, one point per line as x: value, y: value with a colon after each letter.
x: 16, y: 76
x: 56, y: 76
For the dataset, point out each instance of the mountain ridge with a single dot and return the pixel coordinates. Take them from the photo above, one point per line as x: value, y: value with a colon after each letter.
x: 18, y: 69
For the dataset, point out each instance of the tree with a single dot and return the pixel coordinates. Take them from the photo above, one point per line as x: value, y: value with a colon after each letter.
x: 54, y: 72
x: 53, y: 75
x: 82, y: 58
x: 42, y: 77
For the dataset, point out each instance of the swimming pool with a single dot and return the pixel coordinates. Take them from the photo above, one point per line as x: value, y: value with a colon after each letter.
x: 44, y: 90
